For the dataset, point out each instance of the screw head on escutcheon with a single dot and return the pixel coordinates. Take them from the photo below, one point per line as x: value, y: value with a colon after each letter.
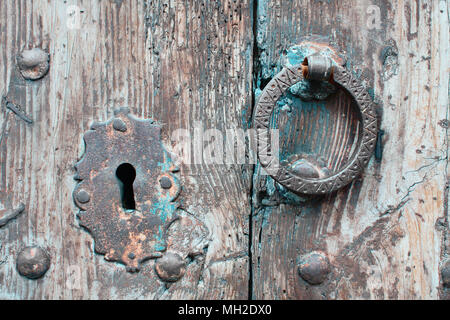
x: 165, y: 182
x: 119, y: 125
x: 83, y: 196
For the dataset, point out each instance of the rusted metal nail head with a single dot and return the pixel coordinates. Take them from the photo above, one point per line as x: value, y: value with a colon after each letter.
x: 314, y: 267
x: 165, y: 183
x: 445, y: 274
x: 33, y: 64
x: 171, y: 267
x: 119, y: 125
x: 83, y: 196
x: 33, y: 262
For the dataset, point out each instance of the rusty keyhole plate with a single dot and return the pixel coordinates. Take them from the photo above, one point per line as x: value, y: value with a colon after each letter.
x: 134, y: 229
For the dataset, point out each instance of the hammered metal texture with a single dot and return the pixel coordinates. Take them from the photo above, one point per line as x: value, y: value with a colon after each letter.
x: 281, y: 172
x: 124, y: 235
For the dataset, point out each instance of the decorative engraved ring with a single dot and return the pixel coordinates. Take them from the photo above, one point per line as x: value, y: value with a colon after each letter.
x: 315, y: 67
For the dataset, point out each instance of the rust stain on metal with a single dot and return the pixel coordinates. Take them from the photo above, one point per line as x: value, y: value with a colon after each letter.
x: 127, y: 213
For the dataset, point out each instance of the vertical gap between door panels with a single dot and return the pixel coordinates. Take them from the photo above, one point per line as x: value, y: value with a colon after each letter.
x: 255, y: 72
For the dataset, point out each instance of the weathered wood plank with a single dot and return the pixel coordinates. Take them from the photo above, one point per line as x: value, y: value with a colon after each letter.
x: 180, y: 62
x: 188, y: 64
x: 380, y: 232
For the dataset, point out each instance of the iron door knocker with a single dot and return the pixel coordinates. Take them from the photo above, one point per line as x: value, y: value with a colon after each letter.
x: 315, y: 67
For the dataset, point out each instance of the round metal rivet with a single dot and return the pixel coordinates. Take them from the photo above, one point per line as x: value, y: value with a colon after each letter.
x: 165, y: 183
x: 170, y: 267
x: 33, y: 262
x: 119, y: 125
x: 314, y: 267
x: 33, y: 64
x: 83, y: 196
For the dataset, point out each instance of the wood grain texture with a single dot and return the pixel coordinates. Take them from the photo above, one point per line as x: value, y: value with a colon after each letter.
x: 327, y: 130
x: 380, y: 232
x: 179, y: 62
x: 188, y: 64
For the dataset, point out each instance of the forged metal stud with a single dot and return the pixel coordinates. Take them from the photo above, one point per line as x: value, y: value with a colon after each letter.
x: 314, y: 267
x: 33, y: 262
x: 445, y: 274
x: 33, y: 64
x: 83, y: 196
x: 171, y: 267
x: 165, y: 183
x: 119, y: 125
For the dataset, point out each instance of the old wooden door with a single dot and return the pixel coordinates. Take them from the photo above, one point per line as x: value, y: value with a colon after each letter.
x: 200, y: 65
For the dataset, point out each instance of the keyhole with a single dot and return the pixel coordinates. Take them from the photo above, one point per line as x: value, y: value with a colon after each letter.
x: 126, y: 175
